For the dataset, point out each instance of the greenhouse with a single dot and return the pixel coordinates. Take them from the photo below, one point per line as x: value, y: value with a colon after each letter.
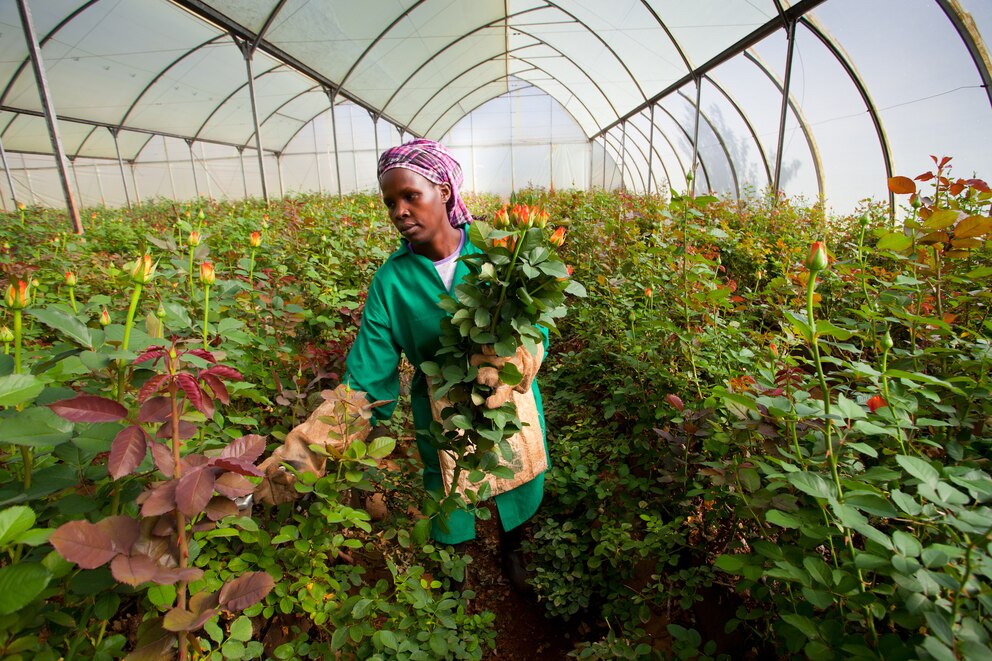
x: 282, y: 278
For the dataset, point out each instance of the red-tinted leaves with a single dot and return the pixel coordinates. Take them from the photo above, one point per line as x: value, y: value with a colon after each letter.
x: 123, y: 531
x: 901, y: 185
x: 127, y: 452
x: 170, y: 575
x: 89, y: 408
x: 162, y: 499
x: 186, y: 430
x: 156, y: 409
x: 245, y: 590
x: 237, y: 466
x: 83, y: 543
x: 192, y: 390
x: 233, y: 485
x: 216, y: 386
x: 224, y: 372
x: 202, y: 607
x: 202, y: 353
x: 151, y: 386
x: 926, y: 176
x: 675, y: 401
x: 247, y: 448
x: 152, y: 353
x: 194, y: 491
x: 163, y: 459
x: 134, y: 570
x: 219, y: 507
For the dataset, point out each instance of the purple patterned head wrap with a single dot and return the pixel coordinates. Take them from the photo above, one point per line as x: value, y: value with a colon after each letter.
x: 436, y: 164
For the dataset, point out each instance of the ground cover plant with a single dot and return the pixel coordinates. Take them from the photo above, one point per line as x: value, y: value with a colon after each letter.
x: 769, y: 435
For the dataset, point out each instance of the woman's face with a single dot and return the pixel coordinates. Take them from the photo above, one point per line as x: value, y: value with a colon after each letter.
x: 416, y: 205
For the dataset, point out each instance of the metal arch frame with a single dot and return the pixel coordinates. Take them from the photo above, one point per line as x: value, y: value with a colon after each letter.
x: 471, y: 92
x: 625, y: 165
x: 204, y: 11
x: 652, y: 150
x: 972, y: 39
x: 797, y: 9
x: 619, y: 59
x: 538, y: 43
x: 675, y: 153
x: 196, y: 136
x: 688, y: 138
x: 803, y: 124
x: 41, y: 44
x: 354, y: 65
x: 852, y: 73
x: 489, y: 25
x: 644, y: 156
x: 615, y: 155
x: 266, y: 25
x: 719, y: 138
x: 747, y: 122
x: 530, y: 83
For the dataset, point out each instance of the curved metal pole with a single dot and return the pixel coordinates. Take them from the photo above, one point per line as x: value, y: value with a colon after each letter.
x: 120, y: 164
x: 623, y: 152
x: 803, y: 124
x: 876, y: 119
x: 331, y: 96
x: 6, y: 170
x: 747, y: 122
x: 248, y: 52
x: 972, y: 39
x: 651, y: 150
x: 50, y: 117
x: 697, y: 158
x: 785, y: 108
x: 675, y: 153
x: 719, y: 138
x: 485, y: 26
x: 695, y: 141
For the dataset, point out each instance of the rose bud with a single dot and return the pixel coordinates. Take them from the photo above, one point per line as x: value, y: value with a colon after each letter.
x: 255, y: 240
x: 70, y: 278
x: 876, y: 402
x: 817, y: 260
x: 143, y: 270
x: 194, y: 239
x: 557, y: 237
x: 17, y: 297
x: 207, y: 274
x: 104, y: 317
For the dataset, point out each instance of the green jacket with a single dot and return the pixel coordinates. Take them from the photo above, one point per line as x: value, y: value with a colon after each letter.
x: 402, y: 316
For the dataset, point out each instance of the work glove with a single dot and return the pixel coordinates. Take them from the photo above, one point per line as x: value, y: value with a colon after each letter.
x: 344, y: 416
x: 490, y: 364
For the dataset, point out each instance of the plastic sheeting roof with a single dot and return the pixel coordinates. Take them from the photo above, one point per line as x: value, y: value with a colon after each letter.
x: 178, y: 68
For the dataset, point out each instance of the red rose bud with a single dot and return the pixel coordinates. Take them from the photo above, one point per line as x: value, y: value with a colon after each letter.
x: 70, y: 278
x: 817, y: 260
x: 143, y: 270
x: 568, y: 267
x: 194, y: 239
x: 648, y: 292
x: 207, y: 275
x: 876, y: 402
x: 557, y: 237
x: 17, y: 296
x: 255, y: 240
x: 540, y: 218
x: 104, y: 317
x: 675, y: 401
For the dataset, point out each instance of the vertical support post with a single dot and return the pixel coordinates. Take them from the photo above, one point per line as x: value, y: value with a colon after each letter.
x: 332, y: 96
x: 27, y: 180
x: 50, y: 117
x: 785, y: 109
x: 192, y: 166
x: 623, y: 155
x: 695, y: 136
x: 248, y: 50
x: 604, y: 162
x: 651, y: 150
x: 75, y: 177
x: 244, y: 178
x: 99, y: 183
x: 120, y: 163
x: 316, y: 156
x: 6, y: 170
x: 134, y: 181
x: 282, y: 190
x: 375, y: 132
x: 206, y: 171
x: 513, y: 179
x: 168, y: 167
x: 551, y: 146
x: 471, y: 148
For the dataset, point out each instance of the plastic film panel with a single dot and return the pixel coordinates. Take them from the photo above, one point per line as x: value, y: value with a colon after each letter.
x: 707, y: 27
x: 251, y: 14
x: 485, y: 75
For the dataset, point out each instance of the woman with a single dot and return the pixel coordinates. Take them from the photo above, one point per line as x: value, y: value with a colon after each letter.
x: 419, y: 182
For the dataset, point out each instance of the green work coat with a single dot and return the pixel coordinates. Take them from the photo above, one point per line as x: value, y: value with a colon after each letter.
x: 402, y: 315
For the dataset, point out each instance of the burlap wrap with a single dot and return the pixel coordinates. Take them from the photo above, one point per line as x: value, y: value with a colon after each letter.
x: 529, y: 458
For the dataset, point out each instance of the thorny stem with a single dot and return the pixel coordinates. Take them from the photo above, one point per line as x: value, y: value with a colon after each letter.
x: 888, y: 400
x: 206, y: 313
x: 506, y: 285
x: 180, y: 518
x: 864, y: 276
